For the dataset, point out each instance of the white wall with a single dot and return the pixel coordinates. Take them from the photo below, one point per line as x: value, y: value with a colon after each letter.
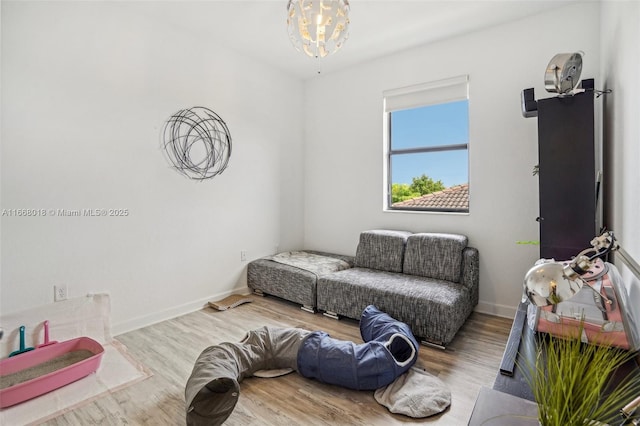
x: 620, y: 68
x: 86, y: 90
x: 344, y: 145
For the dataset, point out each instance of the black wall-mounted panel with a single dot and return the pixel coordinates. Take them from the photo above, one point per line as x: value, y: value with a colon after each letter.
x: 567, y: 175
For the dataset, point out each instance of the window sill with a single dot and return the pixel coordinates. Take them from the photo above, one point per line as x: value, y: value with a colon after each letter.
x: 438, y: 212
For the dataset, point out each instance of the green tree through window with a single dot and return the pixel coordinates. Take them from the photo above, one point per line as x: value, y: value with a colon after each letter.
x: 425, y: 185
x: 419, y: 186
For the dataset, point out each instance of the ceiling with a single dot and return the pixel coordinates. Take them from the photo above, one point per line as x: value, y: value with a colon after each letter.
x: 258, y: 28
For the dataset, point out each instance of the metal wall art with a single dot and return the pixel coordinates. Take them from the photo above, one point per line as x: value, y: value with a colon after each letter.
x: 197, y: 143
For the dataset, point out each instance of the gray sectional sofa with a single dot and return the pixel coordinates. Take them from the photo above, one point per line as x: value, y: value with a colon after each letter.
x: 428, y: 280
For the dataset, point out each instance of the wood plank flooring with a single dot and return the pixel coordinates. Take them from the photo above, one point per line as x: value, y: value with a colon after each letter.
x: 170, y: 348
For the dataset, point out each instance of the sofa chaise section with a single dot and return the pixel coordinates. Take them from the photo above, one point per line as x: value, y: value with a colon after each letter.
x: 268, y: 277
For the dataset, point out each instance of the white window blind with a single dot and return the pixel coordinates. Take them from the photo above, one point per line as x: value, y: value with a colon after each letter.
x: 436, y: 92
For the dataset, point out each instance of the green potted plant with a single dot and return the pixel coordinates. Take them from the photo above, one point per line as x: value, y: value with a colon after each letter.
x: 571, y: 382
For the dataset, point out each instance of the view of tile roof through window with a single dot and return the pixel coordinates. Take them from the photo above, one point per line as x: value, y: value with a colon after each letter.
x: 455, y: 197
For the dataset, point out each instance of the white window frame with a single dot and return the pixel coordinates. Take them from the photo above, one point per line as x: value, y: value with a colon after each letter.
x: 432, y: 93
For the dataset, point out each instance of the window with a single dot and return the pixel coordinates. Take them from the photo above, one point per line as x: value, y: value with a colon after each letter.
x: 427, y: 147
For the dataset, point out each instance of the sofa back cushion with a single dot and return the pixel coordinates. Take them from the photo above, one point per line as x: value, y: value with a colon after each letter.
x: 437, y: 256
x: 382, y: 250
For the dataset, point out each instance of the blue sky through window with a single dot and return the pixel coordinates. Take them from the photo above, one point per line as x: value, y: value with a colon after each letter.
x: 443, y: 124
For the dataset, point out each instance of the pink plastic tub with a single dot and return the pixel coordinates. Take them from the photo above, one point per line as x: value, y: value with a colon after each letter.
x: 87, y: 349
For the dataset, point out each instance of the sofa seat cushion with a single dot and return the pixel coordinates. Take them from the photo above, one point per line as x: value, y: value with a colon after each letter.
x: 434, y: 309
x: 437, y: 256
x: 382, y: 250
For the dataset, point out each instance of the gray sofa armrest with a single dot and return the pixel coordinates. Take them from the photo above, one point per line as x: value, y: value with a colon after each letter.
x: 470, y: 276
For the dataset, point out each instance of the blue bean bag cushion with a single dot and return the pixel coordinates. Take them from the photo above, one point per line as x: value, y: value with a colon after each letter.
x: 390, y: 349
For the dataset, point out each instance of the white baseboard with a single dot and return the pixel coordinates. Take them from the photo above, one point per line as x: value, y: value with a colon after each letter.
x: 506, y: 311
x: 176, y: 311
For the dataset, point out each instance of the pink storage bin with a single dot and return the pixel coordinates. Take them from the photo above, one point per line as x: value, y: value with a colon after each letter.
x: 40, y: 385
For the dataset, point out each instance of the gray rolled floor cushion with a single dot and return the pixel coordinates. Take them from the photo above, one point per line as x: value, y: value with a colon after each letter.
x: 212, y: 390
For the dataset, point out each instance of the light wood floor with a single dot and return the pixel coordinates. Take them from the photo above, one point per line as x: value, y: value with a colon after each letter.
x: 170, y: 348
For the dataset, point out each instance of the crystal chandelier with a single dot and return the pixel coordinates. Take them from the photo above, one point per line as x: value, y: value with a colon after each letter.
x: 318, y: 27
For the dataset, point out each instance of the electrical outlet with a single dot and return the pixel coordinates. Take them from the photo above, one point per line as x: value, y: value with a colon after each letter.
x: 59, y: 292
x: 243, y: 256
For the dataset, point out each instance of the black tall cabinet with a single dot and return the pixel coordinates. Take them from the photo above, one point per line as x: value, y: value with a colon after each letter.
x: 568, y: 174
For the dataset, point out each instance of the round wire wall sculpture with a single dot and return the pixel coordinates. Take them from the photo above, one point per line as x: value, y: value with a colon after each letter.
x: 197, y: 143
